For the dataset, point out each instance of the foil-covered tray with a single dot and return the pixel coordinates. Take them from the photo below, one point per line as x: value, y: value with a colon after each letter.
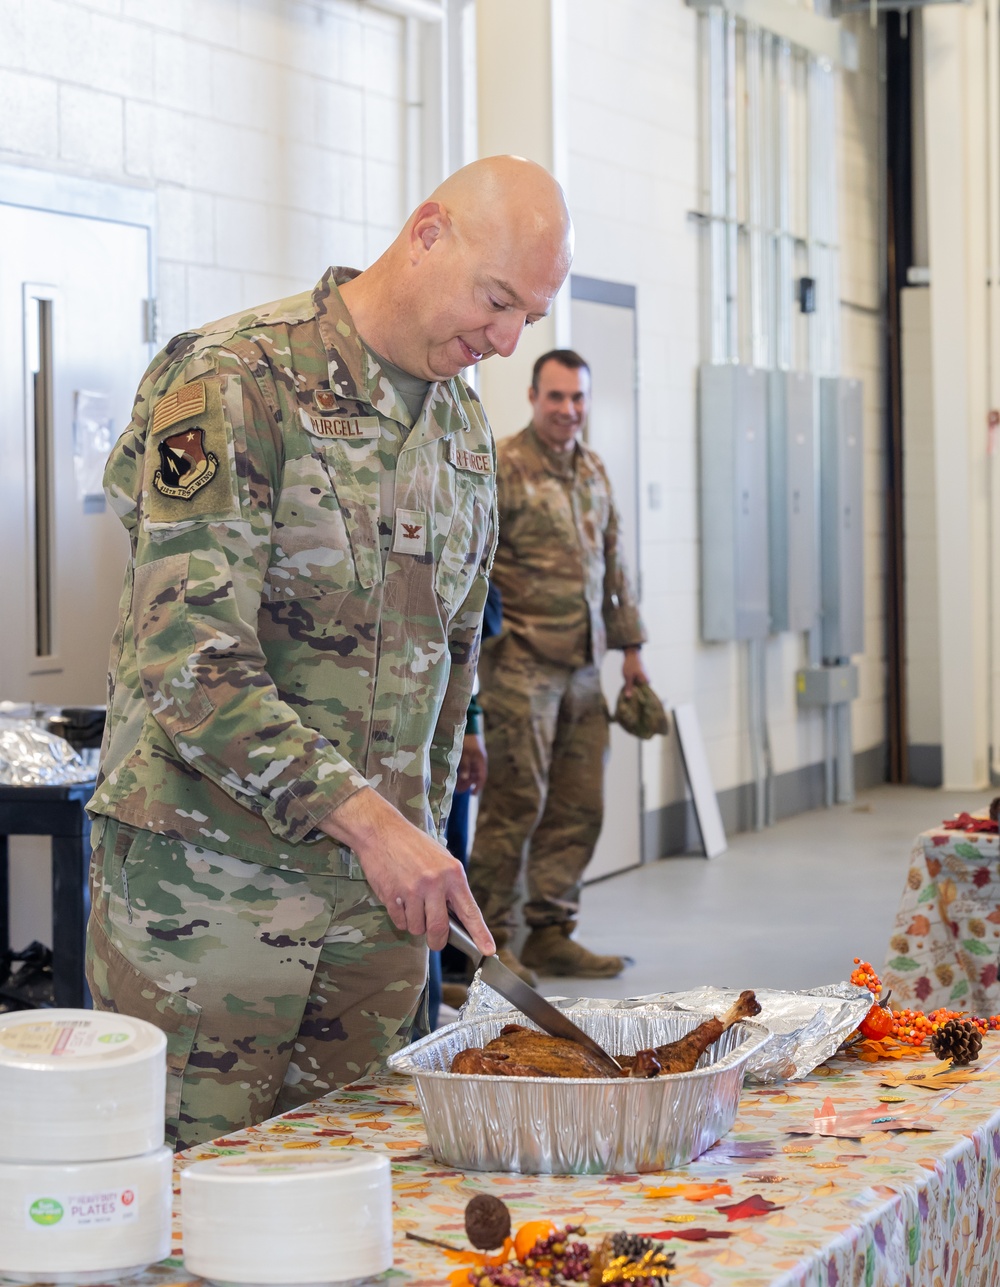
x: 807, y: 1027
x: 32, y: 756
x: 576, y: 1126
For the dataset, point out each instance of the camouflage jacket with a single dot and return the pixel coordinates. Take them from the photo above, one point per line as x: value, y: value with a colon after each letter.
x: 265, y: 665
x: 559, y: 564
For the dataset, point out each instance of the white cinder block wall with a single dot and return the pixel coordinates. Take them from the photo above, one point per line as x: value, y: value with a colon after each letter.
x: 634, y: 121
x: 271, y: 130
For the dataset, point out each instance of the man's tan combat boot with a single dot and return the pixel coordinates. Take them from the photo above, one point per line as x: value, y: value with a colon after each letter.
x: 550, y: 950
x: 454, y: 995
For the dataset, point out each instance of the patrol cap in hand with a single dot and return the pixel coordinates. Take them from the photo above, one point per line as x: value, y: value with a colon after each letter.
x: 641, y: 713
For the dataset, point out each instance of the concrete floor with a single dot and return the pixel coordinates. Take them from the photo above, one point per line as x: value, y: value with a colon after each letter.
x: 788, y: 907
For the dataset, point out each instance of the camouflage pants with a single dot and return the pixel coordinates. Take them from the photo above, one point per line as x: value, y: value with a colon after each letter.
x: 273, y: 987
x: 547, y: 742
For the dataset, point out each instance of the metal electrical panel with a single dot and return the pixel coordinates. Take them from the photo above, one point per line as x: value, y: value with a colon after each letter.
x: 841, y: 518
x: 793, y: 529
x: 734, y: 564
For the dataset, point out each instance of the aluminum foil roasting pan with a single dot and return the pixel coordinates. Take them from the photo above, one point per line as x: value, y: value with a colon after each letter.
x: 570, y: 1126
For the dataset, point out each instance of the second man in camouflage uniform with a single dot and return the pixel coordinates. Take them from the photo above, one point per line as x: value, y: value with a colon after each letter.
x: 566, y: 600
x: 308, y: 488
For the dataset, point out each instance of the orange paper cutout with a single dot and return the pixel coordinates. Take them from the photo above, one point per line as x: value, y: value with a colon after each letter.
x: 692, y: 1192
x: 477, y: 1259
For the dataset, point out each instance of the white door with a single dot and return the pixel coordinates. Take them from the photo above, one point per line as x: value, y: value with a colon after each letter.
x: 72, y: 314
x: 604, y: 334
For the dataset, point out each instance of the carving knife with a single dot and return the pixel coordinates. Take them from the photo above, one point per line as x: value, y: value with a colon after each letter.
x: 525, y: 998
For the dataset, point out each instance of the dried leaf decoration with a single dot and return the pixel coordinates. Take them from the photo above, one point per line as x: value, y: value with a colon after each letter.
x: 690, y: 1235
x: 484, y: 1259
x: 749, y: 1208
x: 871, y: 1052
x: 727, y: 1150
x: 940, y: 1076
x: 692, y: 1192
x: 969, y: 822
x: 827, y: 1120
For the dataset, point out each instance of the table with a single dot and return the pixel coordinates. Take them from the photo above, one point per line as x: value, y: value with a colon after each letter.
x: 56, y: 811
x: 914, y: 1209
x: 945, y: 942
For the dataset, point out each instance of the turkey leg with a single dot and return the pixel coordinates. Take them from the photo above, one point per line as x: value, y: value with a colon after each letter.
x: 683, y: 1054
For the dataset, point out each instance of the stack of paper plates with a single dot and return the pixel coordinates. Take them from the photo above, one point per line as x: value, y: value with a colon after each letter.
x: 288, y: 1218
x: 84, y: 1177
x: 78, y: 1086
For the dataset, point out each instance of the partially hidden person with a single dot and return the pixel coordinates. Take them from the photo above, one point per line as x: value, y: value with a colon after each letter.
x: 566, y: 600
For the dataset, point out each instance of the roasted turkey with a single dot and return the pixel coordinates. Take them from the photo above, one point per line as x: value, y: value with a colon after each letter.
x: 523, y: 1052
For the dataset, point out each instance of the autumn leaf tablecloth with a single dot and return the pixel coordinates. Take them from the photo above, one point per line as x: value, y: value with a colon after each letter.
x: 944, y: 944
x: 765, y: 1206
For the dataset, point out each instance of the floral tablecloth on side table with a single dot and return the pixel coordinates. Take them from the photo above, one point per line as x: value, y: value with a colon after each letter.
x: 946, y: 939
x: 908, y: 1209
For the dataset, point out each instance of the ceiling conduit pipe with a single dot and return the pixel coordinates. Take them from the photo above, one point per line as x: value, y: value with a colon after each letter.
x: 759, y: 357
x: 824, y: 254
x: 821, y: 162
x: 716, y: 112
x: 732, y: 214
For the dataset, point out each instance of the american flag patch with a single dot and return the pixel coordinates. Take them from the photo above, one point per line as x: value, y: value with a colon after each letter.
x: 179, y: 405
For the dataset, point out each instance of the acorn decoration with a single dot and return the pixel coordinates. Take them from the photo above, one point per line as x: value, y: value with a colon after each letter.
x: 630, y: 1258
x: 958, y: 1040
x: 487, y: 1222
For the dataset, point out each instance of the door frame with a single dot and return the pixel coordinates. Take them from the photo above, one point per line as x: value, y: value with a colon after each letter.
x: 620, y: 295
x: 596, y: 290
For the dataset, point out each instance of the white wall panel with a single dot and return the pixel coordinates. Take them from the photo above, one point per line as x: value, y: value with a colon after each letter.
x: 634, y: 175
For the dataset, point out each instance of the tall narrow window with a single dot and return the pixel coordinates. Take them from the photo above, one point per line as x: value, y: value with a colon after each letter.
x: 41, y: 375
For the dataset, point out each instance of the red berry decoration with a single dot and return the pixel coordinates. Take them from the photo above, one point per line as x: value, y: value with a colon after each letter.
x: 908, y: 1027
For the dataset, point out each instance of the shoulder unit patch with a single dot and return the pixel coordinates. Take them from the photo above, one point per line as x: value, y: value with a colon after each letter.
x: 190, y: 472
x: 185, y: 465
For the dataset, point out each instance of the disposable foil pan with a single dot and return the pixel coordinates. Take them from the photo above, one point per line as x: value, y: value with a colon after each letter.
x: 578, y: 1126
x: 32, y: 756
x: 807, y: 1027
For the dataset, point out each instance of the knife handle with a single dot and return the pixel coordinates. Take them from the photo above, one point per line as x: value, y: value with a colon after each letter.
x: 458, y: 937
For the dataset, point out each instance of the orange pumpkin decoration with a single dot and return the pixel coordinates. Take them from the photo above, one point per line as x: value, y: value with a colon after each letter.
x: 877, y: 1023
x: 530, y: 1233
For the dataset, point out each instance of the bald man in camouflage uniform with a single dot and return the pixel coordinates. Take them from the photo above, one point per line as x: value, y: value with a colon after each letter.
x: 566, y: 600
x: 309, y: 494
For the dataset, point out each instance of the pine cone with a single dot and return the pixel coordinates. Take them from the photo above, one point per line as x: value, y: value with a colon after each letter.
x: 958, y: 1040
x: 632, y: 1245
x: 487, y: 1222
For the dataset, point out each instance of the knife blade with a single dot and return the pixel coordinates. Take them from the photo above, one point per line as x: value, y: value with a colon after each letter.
x: 526, y: 999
